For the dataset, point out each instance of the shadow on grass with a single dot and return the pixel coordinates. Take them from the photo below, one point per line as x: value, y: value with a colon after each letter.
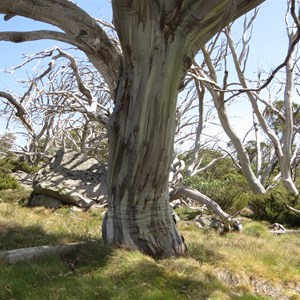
x: 52, y: 276
x: 92, y: 271
x: 97, y: 272
x: 14, y: 236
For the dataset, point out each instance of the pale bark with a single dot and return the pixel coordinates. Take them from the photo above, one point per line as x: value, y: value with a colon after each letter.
x: 140, y: 151
x: 258, y: 149
x: 278, y: 232
x: 193, y: 164
x: 285, y: 161
x: 221, y: 108
x: 27, y: 254
x: 294, y: 209
x: 21, y: 112
x: 268, y: 171
x: 80, y: 29
x: 243, y: 157
x: 19, y: 37
x: 198, y: 170
x: 283, y: 154
x: 228, y: 221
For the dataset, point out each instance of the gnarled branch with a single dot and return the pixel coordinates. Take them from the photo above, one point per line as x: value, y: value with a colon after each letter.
x: 19, y: 36
x: 77, y: 24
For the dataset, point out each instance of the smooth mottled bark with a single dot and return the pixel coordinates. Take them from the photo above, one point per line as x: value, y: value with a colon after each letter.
x: 221, y: 108
x: 156, y: 56
x: 141, y: 150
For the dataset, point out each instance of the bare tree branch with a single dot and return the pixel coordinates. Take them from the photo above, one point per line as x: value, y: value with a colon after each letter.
x: 20, y: 110
x: 19, y: 36
x: 76, y: 24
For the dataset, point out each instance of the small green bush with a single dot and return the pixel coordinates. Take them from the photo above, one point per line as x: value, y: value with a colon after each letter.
x: 6, y: 166
x: 13, y: 164
x: 9, y: 165
x: 272, y: 207
x: 231, y: 192
x: 8, y: 182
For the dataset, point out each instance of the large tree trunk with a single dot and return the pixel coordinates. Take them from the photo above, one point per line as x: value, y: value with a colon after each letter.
x: 139, y: 214
x: 158, y: 44
x: 140, y: 153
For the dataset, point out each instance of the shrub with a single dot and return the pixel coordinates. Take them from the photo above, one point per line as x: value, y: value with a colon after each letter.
x: 13, y: 164
x: 8, y: 182
x: 24, y: 166
x: 6, y: 166
x: 231, y: 192
x: 9, y: 165
x: 272, y: 207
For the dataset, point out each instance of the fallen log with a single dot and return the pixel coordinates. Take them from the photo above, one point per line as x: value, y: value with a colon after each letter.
x: 297, y: 211
x: 278, y: 232
x: 26, y: 254
x: 229, y: 222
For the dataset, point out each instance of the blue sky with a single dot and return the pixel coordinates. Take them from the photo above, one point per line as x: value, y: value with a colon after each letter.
x: 268, y: 31
x: 11, y: 54
x: 268, y: 50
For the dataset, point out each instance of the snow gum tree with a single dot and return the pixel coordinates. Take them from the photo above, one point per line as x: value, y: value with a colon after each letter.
x: 158, y: 39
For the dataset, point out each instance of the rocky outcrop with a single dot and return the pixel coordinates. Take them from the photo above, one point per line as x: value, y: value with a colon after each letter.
x: 24, y: 179
x: 70, y: 178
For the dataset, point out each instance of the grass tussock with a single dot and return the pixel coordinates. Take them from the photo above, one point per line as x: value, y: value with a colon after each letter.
x: 252, y: 265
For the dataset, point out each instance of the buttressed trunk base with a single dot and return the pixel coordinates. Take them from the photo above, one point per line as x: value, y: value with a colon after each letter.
x: 141, y: 133
x: 148, y: 227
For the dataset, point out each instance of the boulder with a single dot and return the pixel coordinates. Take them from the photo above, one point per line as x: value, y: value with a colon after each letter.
x: 43, y: 200
x: 70, y: 178
x: 24, y: 179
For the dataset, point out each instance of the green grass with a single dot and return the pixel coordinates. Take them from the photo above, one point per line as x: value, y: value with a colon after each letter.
x: 253, y: 265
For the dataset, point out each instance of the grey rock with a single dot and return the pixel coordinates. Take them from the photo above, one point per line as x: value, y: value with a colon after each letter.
x: 73, y: 179
x: 43, y: 200
x: 24, y: 179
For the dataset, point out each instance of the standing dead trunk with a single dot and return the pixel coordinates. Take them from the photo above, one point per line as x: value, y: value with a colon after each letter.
x: 221, y: 108
x: 285, y: 161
